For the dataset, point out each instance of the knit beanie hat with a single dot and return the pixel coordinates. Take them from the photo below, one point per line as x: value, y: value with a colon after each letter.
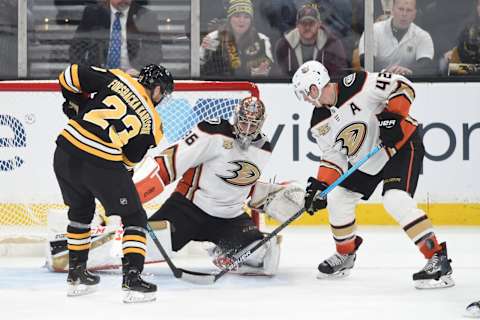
x: 240, y: 6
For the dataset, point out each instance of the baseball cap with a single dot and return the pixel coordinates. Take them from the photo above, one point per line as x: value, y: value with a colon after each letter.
x: 308, y: 12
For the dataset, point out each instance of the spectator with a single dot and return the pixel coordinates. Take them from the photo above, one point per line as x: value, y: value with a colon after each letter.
x: 272, y: 17
x: 117, y: 34
x: 444, y: 20
x: 400, y: 45
x: 236, y: 49
x: 309, y: 41
x: 467, y: 50
x: 275, y: 18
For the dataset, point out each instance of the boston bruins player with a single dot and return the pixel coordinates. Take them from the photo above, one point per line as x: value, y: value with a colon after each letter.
x: 112, y: 123
x: 218, y: 166
x: 350, y: 118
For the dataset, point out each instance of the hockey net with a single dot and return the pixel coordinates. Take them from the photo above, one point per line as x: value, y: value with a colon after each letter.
x: 24, y: 203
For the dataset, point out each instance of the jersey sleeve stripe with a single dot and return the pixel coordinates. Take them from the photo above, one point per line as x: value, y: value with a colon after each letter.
x: 164, y: 175
x: 89, y: 149
x: 127, y: 162
x: 328, y: 175
x: 399, y: 104
x: 328, y: 172
x: 61, y: 79
x: 171, y: 162
x: 69, y: 80
x: 75, y: 78
x: 112, y: 147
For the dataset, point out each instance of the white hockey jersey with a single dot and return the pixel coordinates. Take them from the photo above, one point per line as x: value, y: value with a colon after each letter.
x: 346, y: 132
x: 216, y: 175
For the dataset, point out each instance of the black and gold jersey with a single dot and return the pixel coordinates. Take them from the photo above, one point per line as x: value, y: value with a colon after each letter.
x: 117, y: 123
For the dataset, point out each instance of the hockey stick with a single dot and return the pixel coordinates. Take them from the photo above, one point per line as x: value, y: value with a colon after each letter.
x: 237, y: 259
x: 179, y: 273
x: 240, y: 257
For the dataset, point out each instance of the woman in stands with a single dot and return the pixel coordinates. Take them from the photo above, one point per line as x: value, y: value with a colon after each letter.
x: 236, y: 49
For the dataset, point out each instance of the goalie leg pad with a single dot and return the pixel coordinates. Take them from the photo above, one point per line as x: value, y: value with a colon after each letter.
x: 265, y: 260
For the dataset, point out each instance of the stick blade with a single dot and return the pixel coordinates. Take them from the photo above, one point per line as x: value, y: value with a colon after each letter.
x: 197, y: 277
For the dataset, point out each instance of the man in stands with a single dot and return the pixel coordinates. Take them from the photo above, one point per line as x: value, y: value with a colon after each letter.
x: 401, y: 46
x: 309, y: 41
x: 117, y: 34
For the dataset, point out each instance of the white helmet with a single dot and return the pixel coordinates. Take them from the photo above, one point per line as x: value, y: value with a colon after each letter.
x: 310, y: 73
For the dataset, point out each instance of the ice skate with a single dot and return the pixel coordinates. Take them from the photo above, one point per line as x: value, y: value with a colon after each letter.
x: 81, y: 281
x: 437, y: 273
x: 473, y: 310
x: 136, y: 289
x: 339, y: 265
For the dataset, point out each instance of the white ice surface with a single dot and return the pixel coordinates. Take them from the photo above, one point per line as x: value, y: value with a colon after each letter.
x: 380, y: 286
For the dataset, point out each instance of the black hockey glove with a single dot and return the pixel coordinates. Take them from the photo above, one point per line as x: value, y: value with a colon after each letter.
x: 313, y: 190
x: 70, y: 109
x: 390, y: 130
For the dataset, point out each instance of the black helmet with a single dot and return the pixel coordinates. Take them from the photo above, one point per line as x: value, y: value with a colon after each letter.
x: 156, y: 75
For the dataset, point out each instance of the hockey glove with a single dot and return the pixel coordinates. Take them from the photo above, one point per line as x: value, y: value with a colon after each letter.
x: 312, y: 201
x: 70, y: 109
x: 390, y: 129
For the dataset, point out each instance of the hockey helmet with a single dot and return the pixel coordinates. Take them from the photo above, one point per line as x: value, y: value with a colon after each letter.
x: 308, y: 74
x: 248, y: 119
x: 153, y: 75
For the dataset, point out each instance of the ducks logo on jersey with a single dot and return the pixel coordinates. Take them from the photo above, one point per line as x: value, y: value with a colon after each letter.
x: 245, y: 174
x: 351, y: 137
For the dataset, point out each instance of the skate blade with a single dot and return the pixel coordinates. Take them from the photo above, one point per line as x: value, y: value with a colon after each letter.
x: 337, y: 275
x: 75, y: 290
x: 444, y: 282
x: 138, y: 297
x: 473, y: 311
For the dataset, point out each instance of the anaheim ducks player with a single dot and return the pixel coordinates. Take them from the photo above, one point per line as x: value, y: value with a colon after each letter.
x: 350, y: 118
x: 218, y: 166
x: 112, y: 123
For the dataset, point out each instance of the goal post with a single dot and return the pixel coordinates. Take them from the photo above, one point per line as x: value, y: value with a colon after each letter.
x: 30, y: 120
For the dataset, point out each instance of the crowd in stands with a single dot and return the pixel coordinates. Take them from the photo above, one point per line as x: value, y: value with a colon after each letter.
x: 246, y: 39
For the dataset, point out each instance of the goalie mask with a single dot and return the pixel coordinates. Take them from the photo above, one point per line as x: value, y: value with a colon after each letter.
x: 311, y: 73
x: 248, y: 119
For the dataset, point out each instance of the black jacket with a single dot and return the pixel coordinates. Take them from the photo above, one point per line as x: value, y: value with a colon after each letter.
x: 91, y: 40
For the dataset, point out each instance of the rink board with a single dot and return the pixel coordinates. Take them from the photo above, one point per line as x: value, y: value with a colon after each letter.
x: 447, y: 190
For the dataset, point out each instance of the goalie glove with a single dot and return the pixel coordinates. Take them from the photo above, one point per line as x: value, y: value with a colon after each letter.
x: 279, y: 201
x: 312, y: 201
x: 390, y: 129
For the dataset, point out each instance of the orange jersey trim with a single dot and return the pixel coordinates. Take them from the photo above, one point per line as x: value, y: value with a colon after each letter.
x: 400, y: 105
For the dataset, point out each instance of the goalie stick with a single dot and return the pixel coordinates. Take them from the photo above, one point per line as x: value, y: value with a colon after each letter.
x: 205, y: 278
x: 179, y: 273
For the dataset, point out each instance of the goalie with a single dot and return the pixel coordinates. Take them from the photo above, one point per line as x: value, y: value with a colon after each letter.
x: 219, y: 165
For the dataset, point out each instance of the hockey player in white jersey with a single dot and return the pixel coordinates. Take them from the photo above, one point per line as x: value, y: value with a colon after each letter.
x: 350, y: 118
x: 218, y: 165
